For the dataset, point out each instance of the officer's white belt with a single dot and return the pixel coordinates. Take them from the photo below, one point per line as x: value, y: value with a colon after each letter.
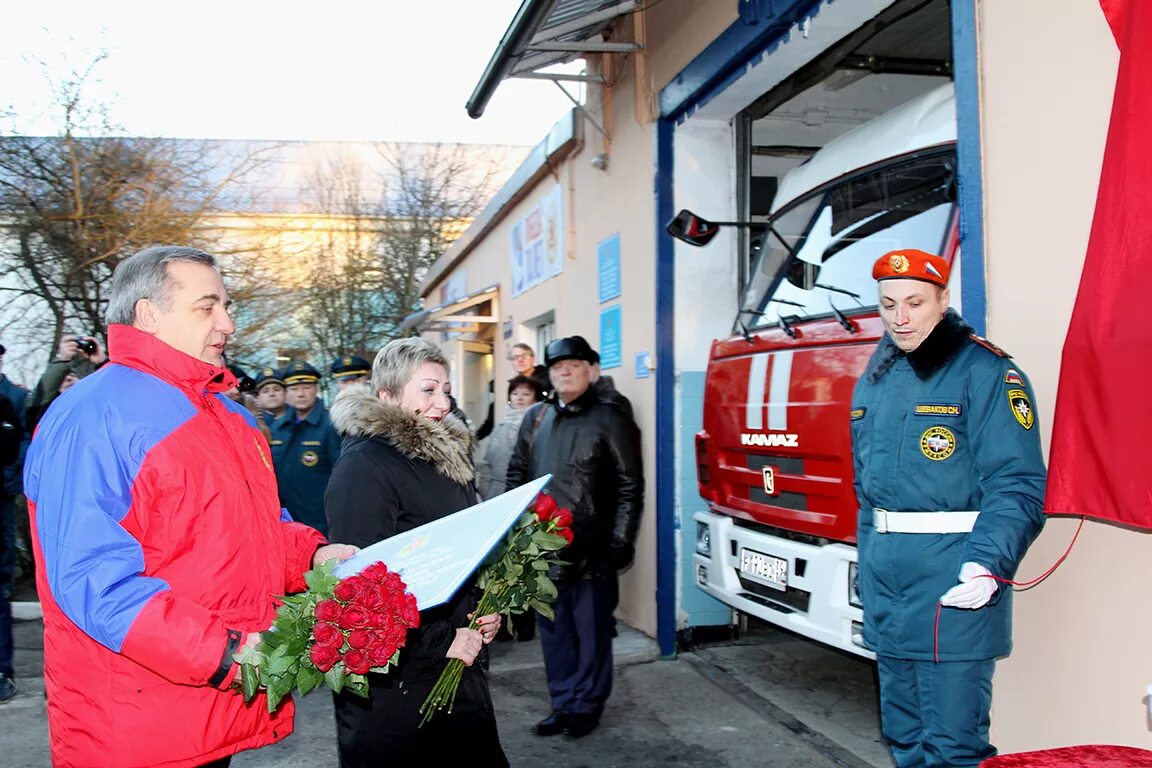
x: 923, y: 522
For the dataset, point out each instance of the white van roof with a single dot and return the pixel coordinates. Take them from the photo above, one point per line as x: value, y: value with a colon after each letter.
x: 925, y: 121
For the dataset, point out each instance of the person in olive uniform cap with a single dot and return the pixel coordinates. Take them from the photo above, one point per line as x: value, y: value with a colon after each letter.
x: 350, y: 371
x: 305, y: 447
x: 950, y: 481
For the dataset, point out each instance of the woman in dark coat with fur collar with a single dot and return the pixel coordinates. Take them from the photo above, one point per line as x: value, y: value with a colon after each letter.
x: 403, y: 464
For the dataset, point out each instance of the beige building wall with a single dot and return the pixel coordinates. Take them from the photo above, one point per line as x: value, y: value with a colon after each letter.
x: 1082, y: 655
x: 598, y: 204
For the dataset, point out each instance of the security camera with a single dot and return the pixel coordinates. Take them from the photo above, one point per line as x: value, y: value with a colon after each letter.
x: 600, y: 161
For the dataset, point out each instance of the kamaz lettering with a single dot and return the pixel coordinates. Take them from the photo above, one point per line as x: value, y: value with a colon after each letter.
x: 773, y: 440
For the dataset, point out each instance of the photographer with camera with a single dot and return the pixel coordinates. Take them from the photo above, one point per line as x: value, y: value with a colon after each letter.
x: 76, y: 357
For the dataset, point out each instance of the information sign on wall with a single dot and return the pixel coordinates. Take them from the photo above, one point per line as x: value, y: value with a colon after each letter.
x: 608, y: 259
x: 610, y: 337
x: 538, y: 244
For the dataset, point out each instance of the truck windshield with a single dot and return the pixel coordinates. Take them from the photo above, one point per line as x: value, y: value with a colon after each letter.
x: 821, y: 247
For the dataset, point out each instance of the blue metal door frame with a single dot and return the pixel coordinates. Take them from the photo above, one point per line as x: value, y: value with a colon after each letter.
x: 762, y: 25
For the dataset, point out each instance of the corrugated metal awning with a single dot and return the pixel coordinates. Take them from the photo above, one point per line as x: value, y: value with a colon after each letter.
x: 457, y: 316
x: 549, y: 32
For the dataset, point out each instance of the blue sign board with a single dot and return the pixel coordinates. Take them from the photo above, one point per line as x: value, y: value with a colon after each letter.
x: 611, y: 327
x: 608, y: 257
x: 643, y: 364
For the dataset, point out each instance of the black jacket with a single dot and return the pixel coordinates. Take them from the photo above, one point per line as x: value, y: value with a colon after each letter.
x: 397, y: 471
x: 592, y: 449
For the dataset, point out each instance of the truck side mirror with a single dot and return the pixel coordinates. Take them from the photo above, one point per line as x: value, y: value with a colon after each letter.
x: 692, y: 229
x: 803, y: 274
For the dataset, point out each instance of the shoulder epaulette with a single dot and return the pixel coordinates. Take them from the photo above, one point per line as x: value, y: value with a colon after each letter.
x: 989, y: 346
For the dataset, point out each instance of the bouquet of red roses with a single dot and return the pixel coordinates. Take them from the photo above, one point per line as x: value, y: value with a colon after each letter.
x: 514, y: 581
x: 335, y: 632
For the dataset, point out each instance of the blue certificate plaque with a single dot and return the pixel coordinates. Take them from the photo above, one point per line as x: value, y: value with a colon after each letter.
x: 436, y: 558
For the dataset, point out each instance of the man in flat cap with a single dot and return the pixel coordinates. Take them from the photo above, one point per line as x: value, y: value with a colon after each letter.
x: 950, y: 481
x: 305, y: 447
x: 350, y: 371
x: 592, y: 449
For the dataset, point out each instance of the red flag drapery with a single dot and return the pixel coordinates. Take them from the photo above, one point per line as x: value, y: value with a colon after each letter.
x: 1100, y: 466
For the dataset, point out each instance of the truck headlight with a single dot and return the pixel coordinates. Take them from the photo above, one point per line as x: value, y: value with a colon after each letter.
x: 703, y: 540
x: 854, y: 585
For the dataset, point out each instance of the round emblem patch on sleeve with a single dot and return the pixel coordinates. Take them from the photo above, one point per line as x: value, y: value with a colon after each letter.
x: 937, y: 443
x: 1021, y: 408
x: 309, y: 458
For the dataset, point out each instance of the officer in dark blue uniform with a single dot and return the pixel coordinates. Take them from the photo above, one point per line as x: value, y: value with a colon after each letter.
x: 350, y: 370
x: 271, y: 397
x: 305, y: 447
x: 950, y: 480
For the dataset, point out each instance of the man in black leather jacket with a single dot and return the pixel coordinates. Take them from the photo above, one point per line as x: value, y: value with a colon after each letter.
x: 592, y: 448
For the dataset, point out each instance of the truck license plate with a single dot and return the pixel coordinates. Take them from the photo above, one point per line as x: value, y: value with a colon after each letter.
x: 773, y: 570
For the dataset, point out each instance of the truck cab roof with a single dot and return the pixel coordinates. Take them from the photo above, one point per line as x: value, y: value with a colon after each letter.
x: 925, y: 121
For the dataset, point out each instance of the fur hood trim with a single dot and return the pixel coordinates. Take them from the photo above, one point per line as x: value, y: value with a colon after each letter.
x: 938, y: 348
x: 446, y: 445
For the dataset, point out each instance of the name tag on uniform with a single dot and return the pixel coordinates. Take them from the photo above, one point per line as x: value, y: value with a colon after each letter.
x: 858, y: 413
x: 309, y: 442
x: 938, y: 409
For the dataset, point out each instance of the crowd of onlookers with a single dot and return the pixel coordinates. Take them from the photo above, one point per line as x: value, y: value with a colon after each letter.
x: 171, y: 499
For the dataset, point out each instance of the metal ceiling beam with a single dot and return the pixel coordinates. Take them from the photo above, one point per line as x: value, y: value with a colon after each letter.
x: 558, y: 77
x: 586, y: 47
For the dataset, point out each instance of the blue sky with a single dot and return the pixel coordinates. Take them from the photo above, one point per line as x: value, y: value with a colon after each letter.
x: 391, y: 70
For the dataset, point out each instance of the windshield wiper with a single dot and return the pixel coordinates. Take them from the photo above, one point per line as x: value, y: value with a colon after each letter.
x: 841, y: 318
x: 785, y: 301
x: 786, y: 326
x: 835, y: 289
x: 744, y: 330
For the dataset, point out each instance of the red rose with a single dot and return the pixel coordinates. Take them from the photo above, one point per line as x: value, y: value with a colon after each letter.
x: 562, y: 518
x: 370, y: 596
x: 355, y: 617
x: 327, y: 634
x: 393, y: 582
x: 328, y: 610
x: 545, y: 506
x: 359, y: 639
x: 565, y: 533
x: 357, y: 662
x: 348, y: 589
x: 323, y: 657
x: 382, y: 654
x: 376, y: 573
x: 411, y: 612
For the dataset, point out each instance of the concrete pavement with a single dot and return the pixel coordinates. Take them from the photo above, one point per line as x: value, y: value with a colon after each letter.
x: 769, y: 698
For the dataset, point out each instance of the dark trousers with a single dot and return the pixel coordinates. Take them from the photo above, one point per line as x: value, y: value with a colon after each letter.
x: 7, y: 567
x: 223, y: 762
x: 577, y: 645
x: 936, y: 714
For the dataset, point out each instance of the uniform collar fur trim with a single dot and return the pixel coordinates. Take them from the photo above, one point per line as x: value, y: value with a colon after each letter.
x: 941, y: 345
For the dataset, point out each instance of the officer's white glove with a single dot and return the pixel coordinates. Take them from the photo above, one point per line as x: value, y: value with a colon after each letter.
x: 974, y: 591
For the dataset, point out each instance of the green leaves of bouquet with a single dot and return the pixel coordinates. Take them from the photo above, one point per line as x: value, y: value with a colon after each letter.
x: 334, y: 633
x: 514, y: 580
x: 518, y: 576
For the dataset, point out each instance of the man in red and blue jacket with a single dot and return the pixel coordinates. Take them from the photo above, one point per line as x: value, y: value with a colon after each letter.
x: 160, y: 541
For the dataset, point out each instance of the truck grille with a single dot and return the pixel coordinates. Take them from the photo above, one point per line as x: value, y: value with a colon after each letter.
x: 785, y: 465
x: 789, y: 600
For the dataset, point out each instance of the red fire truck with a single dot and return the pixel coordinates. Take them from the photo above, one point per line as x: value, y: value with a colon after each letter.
x: 774, y: 458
